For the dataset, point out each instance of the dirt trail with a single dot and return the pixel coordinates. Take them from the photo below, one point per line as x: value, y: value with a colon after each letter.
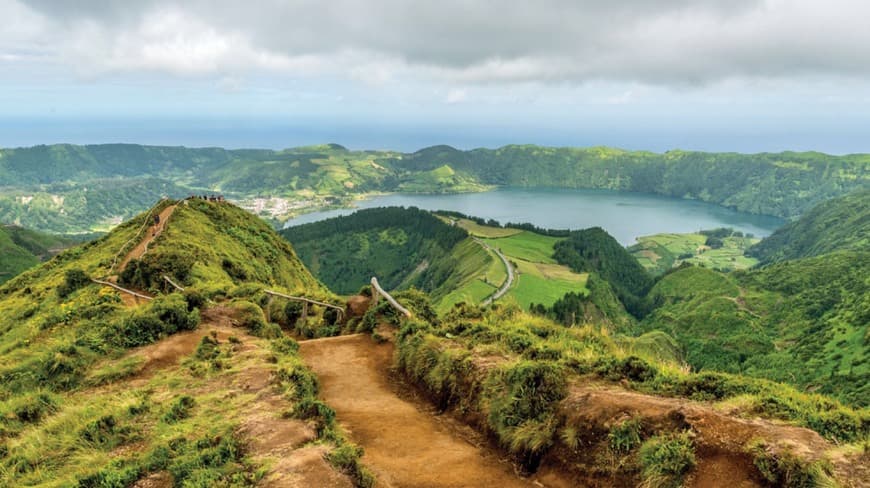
x: 285, y: 446
x: 405, y: 444
x: 150, y: 234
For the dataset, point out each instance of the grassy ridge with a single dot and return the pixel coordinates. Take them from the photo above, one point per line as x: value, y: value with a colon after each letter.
x: 68, y: 416
x: 402, y: 247
x: 517, y: 376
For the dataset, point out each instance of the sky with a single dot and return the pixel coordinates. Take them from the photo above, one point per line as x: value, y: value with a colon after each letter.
x: 715, y: 75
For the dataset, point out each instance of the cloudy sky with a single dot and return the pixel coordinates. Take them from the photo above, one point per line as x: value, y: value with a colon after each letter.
x: 742, y: 75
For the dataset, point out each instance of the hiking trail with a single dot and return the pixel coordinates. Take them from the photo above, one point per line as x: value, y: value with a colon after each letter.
x: 406, y: 443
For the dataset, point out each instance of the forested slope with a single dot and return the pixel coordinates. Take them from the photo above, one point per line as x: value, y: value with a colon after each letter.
x: 838, y: 224
x: 402, y: 247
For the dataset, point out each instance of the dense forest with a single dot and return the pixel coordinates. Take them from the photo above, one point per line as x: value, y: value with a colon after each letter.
x: 403, y: 247
x: 68, y: 188
x: 594, y: 250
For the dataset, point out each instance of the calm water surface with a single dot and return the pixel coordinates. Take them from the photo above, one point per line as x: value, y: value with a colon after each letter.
x: 624, y: 215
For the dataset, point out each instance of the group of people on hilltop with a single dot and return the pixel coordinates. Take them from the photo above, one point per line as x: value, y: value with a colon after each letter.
x: 210, y: 198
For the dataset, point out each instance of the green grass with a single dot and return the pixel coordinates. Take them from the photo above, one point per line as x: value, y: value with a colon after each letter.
x: 528, y: 246
x: 544, y: 284
x: 486, y: 231
x: 539, y: 279
x: 511, y: 373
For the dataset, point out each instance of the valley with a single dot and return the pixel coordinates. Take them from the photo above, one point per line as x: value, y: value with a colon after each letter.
x: 585, y: 244
x: 593, y: 369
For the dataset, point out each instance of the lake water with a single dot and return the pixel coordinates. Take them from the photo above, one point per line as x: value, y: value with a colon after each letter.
x: 624, y: 215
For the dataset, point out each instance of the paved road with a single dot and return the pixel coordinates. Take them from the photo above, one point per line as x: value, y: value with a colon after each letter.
x: 507, y: 266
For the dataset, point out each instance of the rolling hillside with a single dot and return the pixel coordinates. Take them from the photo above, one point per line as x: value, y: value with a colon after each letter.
x: 838, y: 224
x: 403, y: 247
x: 21, y: 249
x: 68, y: 188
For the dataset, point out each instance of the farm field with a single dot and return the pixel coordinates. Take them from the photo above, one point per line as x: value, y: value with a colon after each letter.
x: 483, y: 231
x: 661, y: 252
x: 539, y: 278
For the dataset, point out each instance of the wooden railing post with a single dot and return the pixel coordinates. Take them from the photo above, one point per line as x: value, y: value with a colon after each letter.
x: 376, y: 289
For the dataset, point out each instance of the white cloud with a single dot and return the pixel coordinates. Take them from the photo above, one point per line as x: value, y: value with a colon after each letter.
x: 668, y: 42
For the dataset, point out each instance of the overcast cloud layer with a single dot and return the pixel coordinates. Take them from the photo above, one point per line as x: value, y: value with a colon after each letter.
x: 343, y: 57
x: 666, y: 41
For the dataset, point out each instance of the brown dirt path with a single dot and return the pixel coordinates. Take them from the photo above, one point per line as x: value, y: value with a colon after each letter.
x: 150, y: 234
x: 285, y: 447
x: 405, y: 445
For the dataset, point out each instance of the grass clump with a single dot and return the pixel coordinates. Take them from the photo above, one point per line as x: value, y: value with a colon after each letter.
x: 666, y: 459
x: 625, y: 436
x: 787, y: 470
x: 180, y: 409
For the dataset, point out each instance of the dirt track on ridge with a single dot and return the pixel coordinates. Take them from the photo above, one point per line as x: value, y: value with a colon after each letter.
x: 405, y: 444
x: 150, y: 234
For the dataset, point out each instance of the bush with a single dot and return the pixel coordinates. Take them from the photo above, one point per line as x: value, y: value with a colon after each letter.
x: 666, y: 459
x: 194, y: 298
x: 523, y: 398
x: 165, y: 315
x: 73, y: 280
x: 250, y: 316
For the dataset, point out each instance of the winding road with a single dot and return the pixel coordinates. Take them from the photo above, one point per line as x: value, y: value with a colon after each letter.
x: 510, y: 274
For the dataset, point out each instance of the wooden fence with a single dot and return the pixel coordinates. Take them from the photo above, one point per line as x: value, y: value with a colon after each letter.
x: 377, y: 291
x: 306, y: 302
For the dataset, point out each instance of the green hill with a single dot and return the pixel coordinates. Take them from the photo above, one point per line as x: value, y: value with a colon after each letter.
x: 594, y: 250
x: 838, y: 224
x: 66, y: 188
x: 22, y: 248
x: 803, y: 322
x: 403, y: 247
x: 100, y: 389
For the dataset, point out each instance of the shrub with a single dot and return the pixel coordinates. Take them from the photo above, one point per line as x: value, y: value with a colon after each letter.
x: 666, y: 459
x: 73, y: 280
x: 523, y: 398
x: 194, y: 298
x: 180, y: 409
x: 250, y: 316
x: 165, y: 315
x: 292, y: 312
x: 285, y: 345
x: 207, y: 349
